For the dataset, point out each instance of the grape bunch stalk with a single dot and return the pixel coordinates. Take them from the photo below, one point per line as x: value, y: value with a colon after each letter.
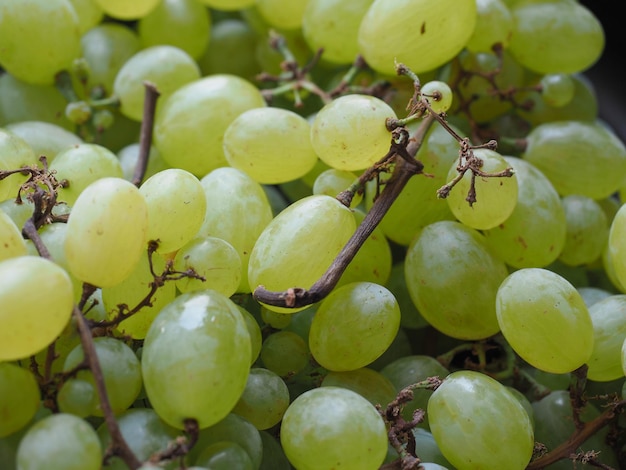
x: 269, y: 234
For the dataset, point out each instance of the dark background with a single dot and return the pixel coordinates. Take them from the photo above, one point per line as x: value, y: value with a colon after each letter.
x: 607, y: 74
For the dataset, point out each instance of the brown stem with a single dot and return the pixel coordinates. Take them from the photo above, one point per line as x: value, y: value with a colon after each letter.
x: 403, y: 171
x: 147, y: 125
x: 31, y: 232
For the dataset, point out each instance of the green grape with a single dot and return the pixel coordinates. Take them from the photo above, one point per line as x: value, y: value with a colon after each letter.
x: 334, y: 136
x: 369, y: 383
x: 19, y: 212
x: 20, y: 397
x: 124, y: 10
x: 43, y: 137
x: 167, y: 67
x: 78, y: 112
x: 533, y: 303
x: 494, y: 25
x: 276, y: 320
x: 228, y: 5
x: 264, y: 400
x: 129, y: 156
x: 555, y: 37
x: 333, y: 427
x: 254, y: 330
x: 496, y: 197
x: 428, y: 450
x: 423, y: 34
x: 106, y: 48
x: 410, y: 316
x: 402, y: 222
x: 36, y: 298
x: 195, y: 338
x: 120, y: 368
x: 301, y: 322
x: 225, y: 455
x: 591, y: 295
x: 123, y: 131
x: 89, y: 14
x: 272, y: 145
x: 333, y: 181
x: 338, y: 39
x: 185, y: 24
x: 273, y: 455
x: 284, y: 353
x: 578, y: 157
x: 478, y: 423
x: 15, y: 153
x: 282, y: 14
x: 400, y: 347
x: 60, y: 442
x: 133, y: 290
x: 190, y: 125
x: 232, y: 428
x: 106, y: 232
x: 22, y: 101
x: 39, y: 38
x: 438, y: 94
x: 80, y: 165
x: 450, y: 299
x: 231, y: 49
x: 12, y: 243
x: 557, y: 89
x: 215, y: 260
x: 623, y: 360
x: 312, y: 230
x: 608, y: 317
x: 372, y: 262
x: 353, y: 326
x: 587, y: 230
x: 144, y: 432
x: 534, y: 234
x: 77, y: 397
x: 411, y: 369
x: 525, y: 402
x: 237, y: 211
x: 176, y: 208
x: 616, y: 249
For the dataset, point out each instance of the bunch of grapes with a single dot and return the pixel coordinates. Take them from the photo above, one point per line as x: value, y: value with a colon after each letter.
x: 312, y: 234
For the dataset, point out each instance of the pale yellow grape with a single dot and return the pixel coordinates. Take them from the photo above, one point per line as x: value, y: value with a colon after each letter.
x: 338, y: 38
x: 282, y: 14
x: 609, y: 331
x: 272, y: 145
x: 438, y: 94
x: 496, y: 197
x: 20, y: 397
x: 617, y: 245
x: 125, y: 10
x: 254, y: 330
x: 88, y: 12
x: 43, y: 137
x: 422, y: 34
x: 39, y: 38
x: 310, y: 232
x: 228, y: 5
x: 623, y: 357
x: 176, y: 207
x: 190, y: 125
x: 15, y: 153
x: 80, y: 165
x: 212, y: 258
x: 12, y: 243
x: 587, y: 230
x: 333, y: 182
x: 36, y: 298
x: 349, y: 133
x: 369, y: 383
x: 106, y: 232
x: 167, y: 67
x: 494, y: 25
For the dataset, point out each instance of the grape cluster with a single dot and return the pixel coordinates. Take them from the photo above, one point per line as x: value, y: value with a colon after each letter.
x: 313, y: 234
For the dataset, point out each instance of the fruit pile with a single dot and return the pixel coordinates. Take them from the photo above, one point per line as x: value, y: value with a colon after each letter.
x: 315, y: 234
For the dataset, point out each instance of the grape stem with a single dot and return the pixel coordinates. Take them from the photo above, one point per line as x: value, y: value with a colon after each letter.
x: 145, y: 137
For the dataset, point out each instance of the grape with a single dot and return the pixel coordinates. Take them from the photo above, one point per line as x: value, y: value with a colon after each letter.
x: 438, y: 94
x: 80, y: 165
x: 410, y: 317
x: 264, y: 400
x: 282, y: 14
x: 313, y: 231
x: 254, y: 330
x: 228, y: 5
x: 284, y: 353
x: 353, y: 326
x: 106, y: 232
x: 532, y: 304
x: 224, y: 455
x: 557, y: 89
x: 89, y: 14
x: 77, y: 397
x: 616, y: 251
x: 428, y: 450
x: 369, y: 383
x: 276, y: 320
x: 78, y: 112
x: 184, y: 24
x: 534, y: 234
x: 129, y: 156
x: 451, y: 300
x: 494, y: 25
x: 12, y: 243
x: 272, y: 145
x: 176, y: 208
x: 578, y: 157
x: 43, y: 137
x: 330, y: 427
x: 273, y: 456
x: 496, y: 197
x: 20, y: 397
x: 14, y: 153
x: 47, y: 30
x: 123, y: 10
x: 477, y: 423
x: 423, y: 34
x: 191, y: 122
x: 334, y: 139
x: 591, y: 295
x: 623, y: 358
x: 333, y: 181
x: 338, y: 39
x: 37, y: 298
x: 196, y: 338
x: 608, y: 317
x: 555, y: 37
x: 167, y: 67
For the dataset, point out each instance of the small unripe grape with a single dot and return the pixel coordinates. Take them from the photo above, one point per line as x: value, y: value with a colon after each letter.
x: 438, y: 94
